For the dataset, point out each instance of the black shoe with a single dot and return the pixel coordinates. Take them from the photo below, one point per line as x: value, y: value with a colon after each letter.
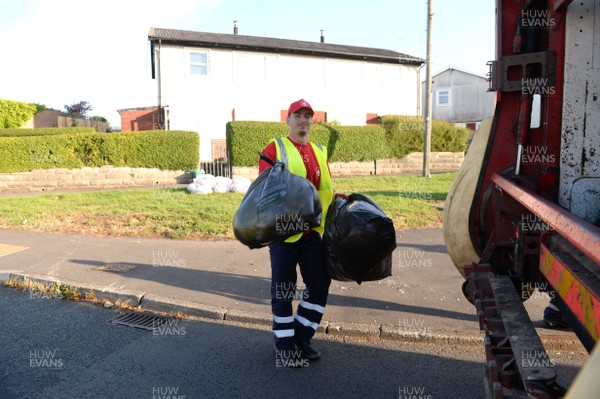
x: 308, y: 350
x: 289, y: 358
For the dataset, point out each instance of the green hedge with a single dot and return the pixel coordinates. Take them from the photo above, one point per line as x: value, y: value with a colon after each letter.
x: 15, y: 113
x: 352, y: 143
x: 405, y: 135
x: 344, y: 143
x: 45, y: 131
x: 167, y: 150
x: 246, y: 139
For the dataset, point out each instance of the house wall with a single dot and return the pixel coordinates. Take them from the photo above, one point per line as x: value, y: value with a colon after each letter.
x: 470, y: 100
x: 135, y: 119
x: 258, y: 86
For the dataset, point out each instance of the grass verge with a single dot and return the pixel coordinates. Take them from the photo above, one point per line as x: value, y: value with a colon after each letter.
x: 410, y: 201
x: 67, y: 292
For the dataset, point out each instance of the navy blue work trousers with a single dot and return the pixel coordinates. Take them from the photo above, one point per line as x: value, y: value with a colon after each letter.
x: 308, y: 254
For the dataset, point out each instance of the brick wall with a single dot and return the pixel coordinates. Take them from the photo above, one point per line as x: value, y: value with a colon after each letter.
x: 66, y: 121
x: 218, y: 148
x: 411, y: 164
x: 136, y: 119
x: 47, y: 180
x: 54, y: 118
x: 46, y: 118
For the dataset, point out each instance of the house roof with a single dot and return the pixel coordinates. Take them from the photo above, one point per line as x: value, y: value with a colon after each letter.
x: 271, y: 45
x: 451, y: 68
x: 150, y: 108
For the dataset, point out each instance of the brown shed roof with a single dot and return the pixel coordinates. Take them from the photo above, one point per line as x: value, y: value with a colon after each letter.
x: 271, y: 45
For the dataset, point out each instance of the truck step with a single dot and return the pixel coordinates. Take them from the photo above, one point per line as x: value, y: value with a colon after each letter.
x: 517, y: 363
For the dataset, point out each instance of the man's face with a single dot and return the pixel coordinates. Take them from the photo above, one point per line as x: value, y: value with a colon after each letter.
x: 300, y: 122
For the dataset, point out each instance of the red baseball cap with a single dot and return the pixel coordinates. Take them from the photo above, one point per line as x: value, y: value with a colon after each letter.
x: 297, y: 105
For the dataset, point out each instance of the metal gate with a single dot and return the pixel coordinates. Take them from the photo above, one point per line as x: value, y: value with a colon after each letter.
x: 217, y: 167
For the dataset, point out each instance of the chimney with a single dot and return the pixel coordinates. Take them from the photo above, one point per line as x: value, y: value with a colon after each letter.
x: 322, y: 36
x: 235, y: 28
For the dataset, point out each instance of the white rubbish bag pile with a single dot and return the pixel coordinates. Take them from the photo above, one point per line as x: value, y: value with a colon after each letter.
x: 207, y: 183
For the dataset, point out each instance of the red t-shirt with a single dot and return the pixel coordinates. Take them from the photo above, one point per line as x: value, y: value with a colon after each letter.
x: 313, y: 171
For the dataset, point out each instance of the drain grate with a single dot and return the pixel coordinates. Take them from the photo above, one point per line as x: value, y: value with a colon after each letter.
x: 115, y: 267
x: 141, y: 320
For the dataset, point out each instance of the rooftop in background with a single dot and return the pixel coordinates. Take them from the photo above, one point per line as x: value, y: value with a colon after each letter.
x: 271, y: 45
x: 463, y: 70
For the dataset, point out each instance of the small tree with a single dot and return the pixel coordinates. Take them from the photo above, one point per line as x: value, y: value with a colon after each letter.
x: 101, y: 119
x: 39, y: 107
x: 78, y: 110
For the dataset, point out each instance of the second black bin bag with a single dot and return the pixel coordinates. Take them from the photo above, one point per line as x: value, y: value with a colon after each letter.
x: 359, y: 240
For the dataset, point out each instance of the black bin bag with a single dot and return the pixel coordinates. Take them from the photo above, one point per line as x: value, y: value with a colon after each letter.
x: 359, y: 240
x: 277, y: 205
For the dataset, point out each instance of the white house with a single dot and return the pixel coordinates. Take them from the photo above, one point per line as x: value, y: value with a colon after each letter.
x: 208, y: 79
x: 461, y: 97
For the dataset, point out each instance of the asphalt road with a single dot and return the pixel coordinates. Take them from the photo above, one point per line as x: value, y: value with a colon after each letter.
x: 59, y: 349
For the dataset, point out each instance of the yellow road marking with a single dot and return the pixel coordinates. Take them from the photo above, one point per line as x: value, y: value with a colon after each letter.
x: 7, y: 249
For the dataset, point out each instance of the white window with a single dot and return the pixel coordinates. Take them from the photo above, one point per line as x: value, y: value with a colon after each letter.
x: 444, y: 97
x: 198, y: 63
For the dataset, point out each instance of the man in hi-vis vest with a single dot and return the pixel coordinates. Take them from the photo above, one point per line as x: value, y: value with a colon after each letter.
x: 309, y: 160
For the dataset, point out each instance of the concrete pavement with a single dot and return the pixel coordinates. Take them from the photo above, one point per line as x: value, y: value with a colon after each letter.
x: 225, y: 280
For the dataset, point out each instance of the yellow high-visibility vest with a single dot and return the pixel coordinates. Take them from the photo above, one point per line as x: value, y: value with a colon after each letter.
x: 290, y: 156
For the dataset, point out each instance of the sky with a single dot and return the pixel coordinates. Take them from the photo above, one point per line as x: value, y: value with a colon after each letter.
x: 58, y: 52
